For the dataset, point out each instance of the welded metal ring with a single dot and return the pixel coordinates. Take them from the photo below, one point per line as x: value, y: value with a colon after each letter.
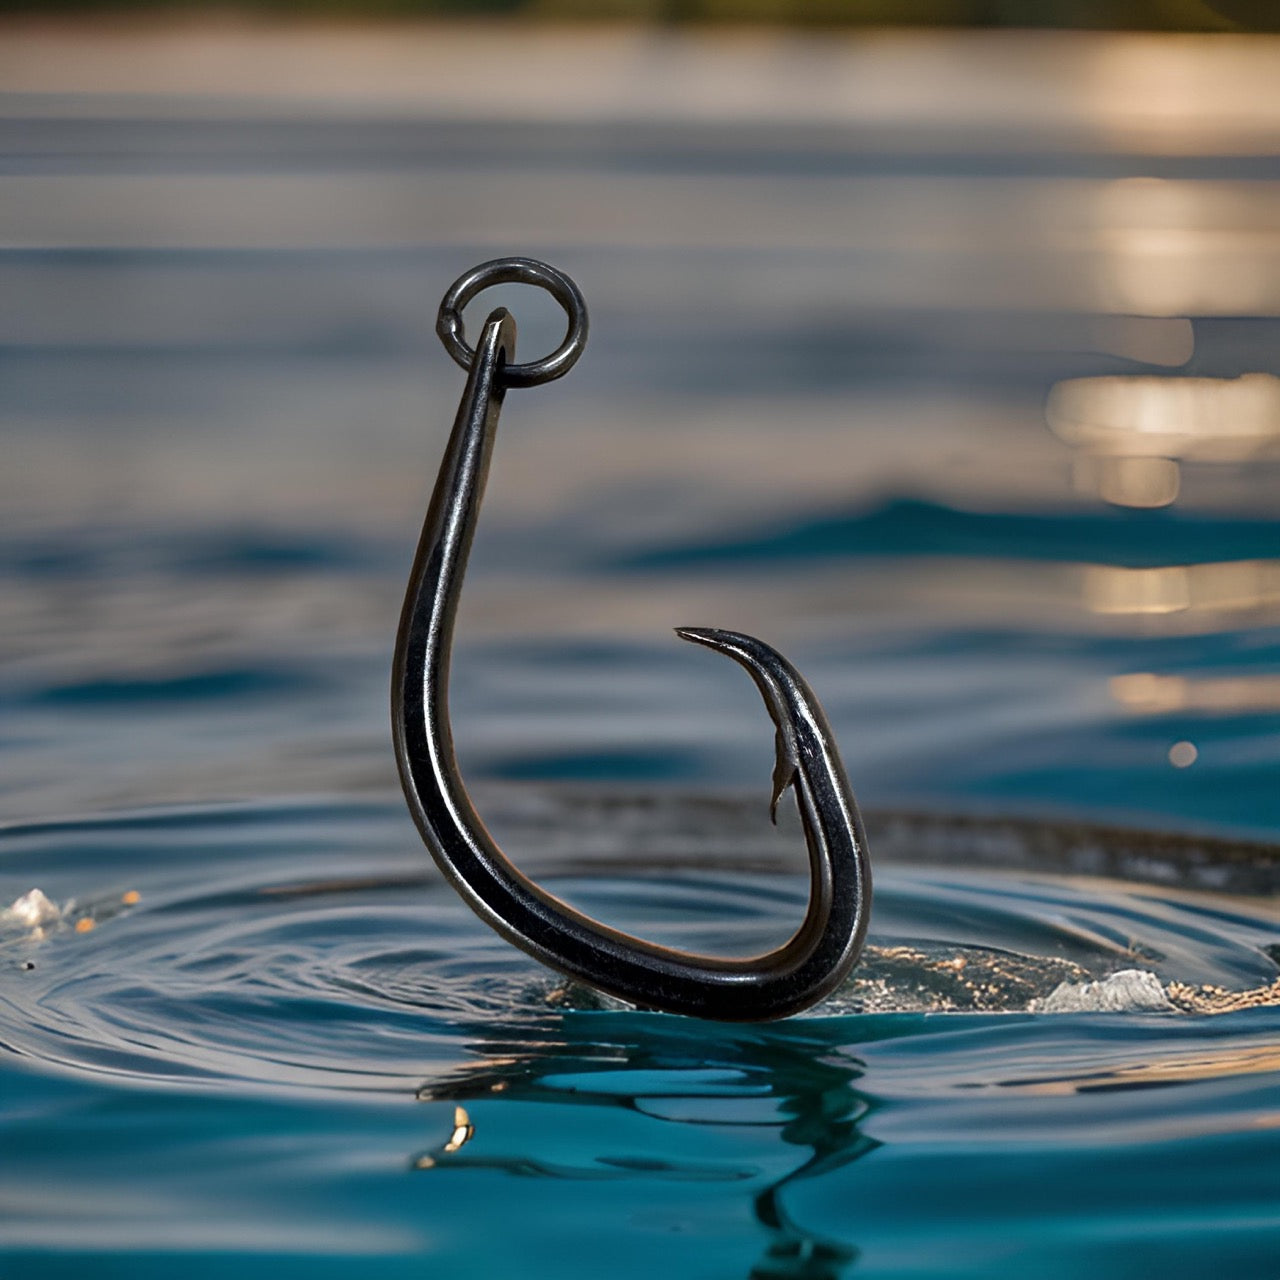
x: 516, y: 271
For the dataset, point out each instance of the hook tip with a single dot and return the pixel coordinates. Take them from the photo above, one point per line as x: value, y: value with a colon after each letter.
x: 742, y: 648
x: 699, y: 635
x: 713, y: 638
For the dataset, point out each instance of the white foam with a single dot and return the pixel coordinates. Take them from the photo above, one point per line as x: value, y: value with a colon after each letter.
x: 32, y: 911
x: 1129, y: 991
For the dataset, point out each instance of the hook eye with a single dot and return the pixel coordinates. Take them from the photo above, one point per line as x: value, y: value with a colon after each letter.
x: 516, y: 271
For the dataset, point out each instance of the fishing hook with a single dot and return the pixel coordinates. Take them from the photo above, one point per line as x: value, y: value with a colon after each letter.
x: 828, y: 942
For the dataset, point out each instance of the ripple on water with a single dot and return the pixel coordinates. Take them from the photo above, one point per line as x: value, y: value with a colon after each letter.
x: 316, y: 947
x: 310, y: 1024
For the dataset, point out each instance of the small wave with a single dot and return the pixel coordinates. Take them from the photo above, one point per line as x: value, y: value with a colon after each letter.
x: 314, y: 947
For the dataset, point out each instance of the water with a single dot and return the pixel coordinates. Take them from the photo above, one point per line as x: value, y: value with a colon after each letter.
x: 832, y: 396
x: 260, y: 1061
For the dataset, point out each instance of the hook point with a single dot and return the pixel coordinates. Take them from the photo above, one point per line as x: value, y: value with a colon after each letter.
x: 712, y: 637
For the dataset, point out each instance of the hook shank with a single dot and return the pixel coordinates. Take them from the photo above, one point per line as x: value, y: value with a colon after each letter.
x: 800, y: 972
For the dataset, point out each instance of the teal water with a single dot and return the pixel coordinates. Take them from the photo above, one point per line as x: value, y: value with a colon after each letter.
x: 257, y: 1035
x: 257, y: 1065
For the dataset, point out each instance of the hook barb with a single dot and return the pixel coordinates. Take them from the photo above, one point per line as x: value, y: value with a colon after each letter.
x: 766, y: 667
x: 815, y: 960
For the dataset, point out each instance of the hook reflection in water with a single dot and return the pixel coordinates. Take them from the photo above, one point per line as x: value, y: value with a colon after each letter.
x: 818, y: 957
x: 797, y: 1090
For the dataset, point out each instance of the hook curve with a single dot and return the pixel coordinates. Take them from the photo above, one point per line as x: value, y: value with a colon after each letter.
x: 809, y: 966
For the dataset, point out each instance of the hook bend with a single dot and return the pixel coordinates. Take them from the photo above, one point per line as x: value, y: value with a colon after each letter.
x: 829, y: 940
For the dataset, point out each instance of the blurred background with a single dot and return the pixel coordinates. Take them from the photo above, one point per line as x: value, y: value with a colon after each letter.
x: 941, y: 356
x: 1155, y: 15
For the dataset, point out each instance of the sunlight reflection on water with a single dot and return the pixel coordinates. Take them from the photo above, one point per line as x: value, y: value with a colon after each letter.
x: 837, y: 288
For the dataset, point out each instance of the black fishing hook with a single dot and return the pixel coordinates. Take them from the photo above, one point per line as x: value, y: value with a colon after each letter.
x: 825, y: 947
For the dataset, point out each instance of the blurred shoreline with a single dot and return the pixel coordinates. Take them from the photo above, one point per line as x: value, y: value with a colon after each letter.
x: 1172, y: 94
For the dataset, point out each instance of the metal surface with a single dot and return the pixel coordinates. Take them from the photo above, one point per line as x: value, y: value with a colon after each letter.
x: 516, y: 271
x: 829, y: 940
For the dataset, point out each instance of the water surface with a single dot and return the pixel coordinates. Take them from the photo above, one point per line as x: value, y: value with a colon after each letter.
x: 970, y: 413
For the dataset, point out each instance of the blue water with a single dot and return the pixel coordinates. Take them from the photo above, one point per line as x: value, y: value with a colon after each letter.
x: 242, y: 1042
x: 259, y: 1063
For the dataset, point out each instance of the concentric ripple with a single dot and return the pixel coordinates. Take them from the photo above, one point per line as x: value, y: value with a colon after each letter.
x: 272, y: 1038
x: 316, y: 946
